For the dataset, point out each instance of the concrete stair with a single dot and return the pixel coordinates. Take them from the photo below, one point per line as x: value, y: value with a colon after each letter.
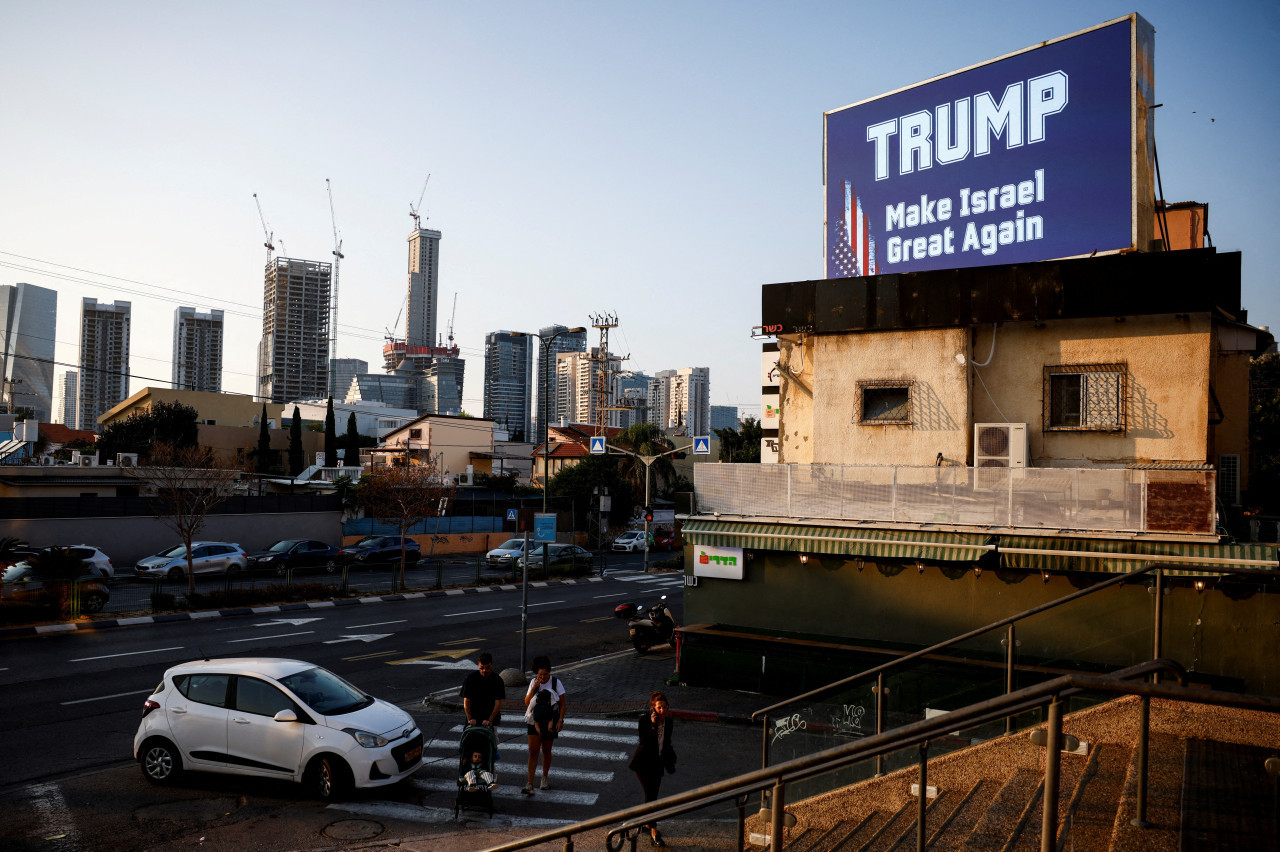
x: 1207, y: 790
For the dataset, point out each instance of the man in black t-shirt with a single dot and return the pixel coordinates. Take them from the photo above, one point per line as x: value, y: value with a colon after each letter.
x: 482, y: 694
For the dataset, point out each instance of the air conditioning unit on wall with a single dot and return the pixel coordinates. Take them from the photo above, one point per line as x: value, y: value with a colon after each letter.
x: 126, y: 459
x: 1000, y: 445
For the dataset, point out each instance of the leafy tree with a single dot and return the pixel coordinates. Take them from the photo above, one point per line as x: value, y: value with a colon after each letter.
x: 58, y: 570
x: 262, y: 456
x: 405, y: 495
x: 579, y: 482
x: 351, y: 442
x: 188, y: 483
x: 10, y: 547
x: 297, y: 458
x: 169, y: 423
x: 740, y: 445
x: 1264, y: 428
x: 63, y: 453
x: 330, y: 437
x: 504, y: 483
x: 645, y: 439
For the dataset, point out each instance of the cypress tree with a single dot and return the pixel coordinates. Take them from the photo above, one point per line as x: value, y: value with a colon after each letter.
x: 351, y: 442
x: 330, y: 437
x: 262, y: 464
x: 297, y: 458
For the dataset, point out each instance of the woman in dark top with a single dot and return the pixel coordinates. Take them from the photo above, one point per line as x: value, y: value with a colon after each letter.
x: 655, y: 754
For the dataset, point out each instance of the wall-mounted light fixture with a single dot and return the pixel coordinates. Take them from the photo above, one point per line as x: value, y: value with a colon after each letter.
x: 857, y: 563
x: 1199, y: 586
x: 1044, y: 575
x: 977, y: 571
x: 804, y: 559
x: 920, y: 566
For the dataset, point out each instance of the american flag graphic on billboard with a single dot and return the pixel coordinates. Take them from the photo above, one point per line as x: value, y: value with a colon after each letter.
x: 854, y: 253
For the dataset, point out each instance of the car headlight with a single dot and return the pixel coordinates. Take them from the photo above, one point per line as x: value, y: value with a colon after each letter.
x: 367, y: 739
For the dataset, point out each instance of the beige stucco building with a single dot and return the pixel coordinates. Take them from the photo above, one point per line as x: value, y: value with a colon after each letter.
x: 439, y: 439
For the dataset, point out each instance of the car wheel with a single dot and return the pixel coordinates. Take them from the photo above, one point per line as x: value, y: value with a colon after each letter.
x: 331, y: 566
x: 94, y: 602
x: 176, y: 574
x: 640, y: 646
x: 281, y: 569
x: 160, y: 761
x: 328, y: 777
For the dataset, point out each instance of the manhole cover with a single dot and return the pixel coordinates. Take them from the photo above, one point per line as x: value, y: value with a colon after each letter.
x: 353, y: 829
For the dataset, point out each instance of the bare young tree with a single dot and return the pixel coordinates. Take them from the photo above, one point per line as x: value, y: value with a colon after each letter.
x: 186, y: 483
x: 405, y: 495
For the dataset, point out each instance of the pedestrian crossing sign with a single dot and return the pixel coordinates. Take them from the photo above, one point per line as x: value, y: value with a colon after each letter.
x: 702, y: 445
x: 597, y: 445
x: 511, y: 514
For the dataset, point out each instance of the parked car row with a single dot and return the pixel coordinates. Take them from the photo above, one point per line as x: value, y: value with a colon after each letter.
x: 633, y: 540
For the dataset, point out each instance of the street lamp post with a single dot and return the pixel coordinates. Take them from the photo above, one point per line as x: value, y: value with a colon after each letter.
x: 648, y: 463
x: 546, y: 476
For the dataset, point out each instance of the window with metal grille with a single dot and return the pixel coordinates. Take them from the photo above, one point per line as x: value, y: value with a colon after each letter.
x: 1229, y: 479
x: 1086, y: 397
x: 884, y: 403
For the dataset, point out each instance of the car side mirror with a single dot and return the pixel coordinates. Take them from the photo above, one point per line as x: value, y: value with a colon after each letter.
x: 286, y: 716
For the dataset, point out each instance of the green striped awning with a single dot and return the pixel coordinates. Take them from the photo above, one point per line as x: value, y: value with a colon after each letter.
x: 1034, y: 553
x: 840, y: 541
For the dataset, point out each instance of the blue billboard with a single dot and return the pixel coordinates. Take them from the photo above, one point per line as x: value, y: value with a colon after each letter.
x: 1028, y: 157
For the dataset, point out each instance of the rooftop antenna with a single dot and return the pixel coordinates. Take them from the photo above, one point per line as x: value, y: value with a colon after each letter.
x: 451, y: 316
x: 333, y: 319
x: 413, y: 211
x: 266, y: 232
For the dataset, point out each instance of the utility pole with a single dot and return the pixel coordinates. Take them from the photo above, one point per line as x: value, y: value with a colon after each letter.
x: 601, y: 403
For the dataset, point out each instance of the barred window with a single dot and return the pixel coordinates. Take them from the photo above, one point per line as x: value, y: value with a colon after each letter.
x: 884, y: 403
x: 1086, y: 397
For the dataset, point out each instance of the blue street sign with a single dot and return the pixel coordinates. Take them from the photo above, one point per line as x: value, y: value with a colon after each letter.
x: 544, y: 526
x: 597, y: 445
x: 702, y: 445
x: 511, y: 514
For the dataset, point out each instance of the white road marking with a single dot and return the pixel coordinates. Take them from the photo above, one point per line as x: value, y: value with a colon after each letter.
x: 473, y: 612
x: 277, y: 636
x: 358, y: 637
x: 376, y: 624
x: 105, y: 697
x: 545, y: 603
x: 55, y: 817
x: 125, y: 654
x: 570, y: 733
x: 615, y: 595
x: 507, y: 791
x: 451, y: 745
x: 296, y: 622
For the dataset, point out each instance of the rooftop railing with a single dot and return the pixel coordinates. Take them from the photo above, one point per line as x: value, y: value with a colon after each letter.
x: 1106, y: 500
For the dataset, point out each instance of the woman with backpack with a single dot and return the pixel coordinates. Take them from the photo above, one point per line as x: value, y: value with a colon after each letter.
x: 544, y: 709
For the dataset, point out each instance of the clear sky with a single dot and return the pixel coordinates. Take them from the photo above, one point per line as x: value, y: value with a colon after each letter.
x: 659, y: 161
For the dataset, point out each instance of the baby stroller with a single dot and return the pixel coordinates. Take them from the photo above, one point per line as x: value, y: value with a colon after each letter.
x: 484, y: 740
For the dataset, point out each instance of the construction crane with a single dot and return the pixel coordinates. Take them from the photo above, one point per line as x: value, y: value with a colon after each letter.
x: 266, y: 232
x: 413, y: 211
x: 333, y: 316
x: 451, y: 316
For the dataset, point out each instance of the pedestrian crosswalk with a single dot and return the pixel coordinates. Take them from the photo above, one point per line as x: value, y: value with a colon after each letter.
x: 587, y: 755
x: 658, y: 580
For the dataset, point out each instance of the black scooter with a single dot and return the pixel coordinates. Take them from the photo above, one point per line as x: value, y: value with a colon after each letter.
x: 651, y: 627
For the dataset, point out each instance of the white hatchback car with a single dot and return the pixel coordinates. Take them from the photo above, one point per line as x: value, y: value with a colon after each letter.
x: 274, y: 718
x: 505, y: 554
x: 630, y: 541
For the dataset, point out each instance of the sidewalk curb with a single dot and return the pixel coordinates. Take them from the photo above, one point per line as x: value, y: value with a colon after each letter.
x: 201, y: 615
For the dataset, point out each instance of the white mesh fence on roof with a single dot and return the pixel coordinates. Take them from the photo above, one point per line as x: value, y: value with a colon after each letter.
x: 1094, y: 499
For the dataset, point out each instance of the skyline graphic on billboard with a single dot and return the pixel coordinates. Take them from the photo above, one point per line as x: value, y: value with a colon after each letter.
x: 1021, y: 159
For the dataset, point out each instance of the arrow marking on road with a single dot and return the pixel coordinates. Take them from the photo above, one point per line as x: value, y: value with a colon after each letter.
x: 436, y: 655
x: 359, y: 637
x: 294, y: 621
x: 435, y: 664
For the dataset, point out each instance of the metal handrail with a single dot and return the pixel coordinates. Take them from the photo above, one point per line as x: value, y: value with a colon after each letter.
x: 629, y: 821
